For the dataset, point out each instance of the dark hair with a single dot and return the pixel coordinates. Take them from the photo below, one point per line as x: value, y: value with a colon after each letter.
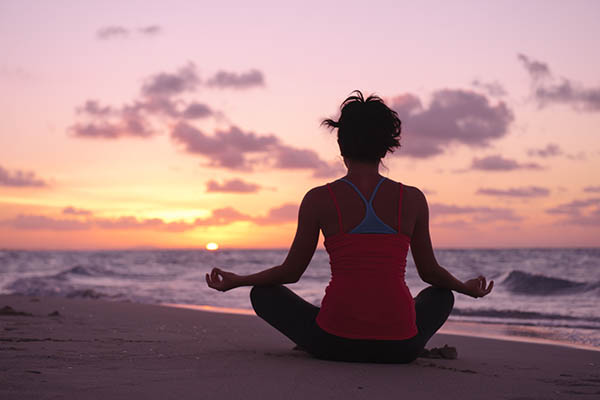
x: 367, y: 129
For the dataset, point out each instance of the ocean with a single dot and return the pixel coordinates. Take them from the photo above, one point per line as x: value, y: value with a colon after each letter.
x: 556, y: 290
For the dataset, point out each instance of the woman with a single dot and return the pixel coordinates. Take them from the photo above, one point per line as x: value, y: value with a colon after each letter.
x: 368, y: 313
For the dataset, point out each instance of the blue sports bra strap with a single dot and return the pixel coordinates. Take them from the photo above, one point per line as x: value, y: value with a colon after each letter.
x: 355, y: 188
x: 376, y: 189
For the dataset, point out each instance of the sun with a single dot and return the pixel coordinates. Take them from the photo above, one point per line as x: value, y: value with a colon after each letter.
x: 212, y: 246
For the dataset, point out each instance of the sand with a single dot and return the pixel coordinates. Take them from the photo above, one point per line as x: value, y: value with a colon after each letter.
x: 108, y: 350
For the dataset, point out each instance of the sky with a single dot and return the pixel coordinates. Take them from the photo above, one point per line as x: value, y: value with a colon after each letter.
x: 155, y: 124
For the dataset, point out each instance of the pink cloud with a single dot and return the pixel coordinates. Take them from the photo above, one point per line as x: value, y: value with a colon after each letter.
x: 523, y: 192
x: 229, y: 149
x: 279, y: 215
x: 550, y: 150
x: 244, y: 80
x: 40, y: 222
x: 479, y: 214
x: 549, y: 90
x: 238, y: 150
x: 494, y: 89
x: 499, y: 163
x: 232, y: 186
x: 592, y: 189
x: 75, y: 211
x: 197, y: 110
x: 166, y: 84
x: 111, y: 32
x: 121, y: 32
x: 584, y: 212
x: 150, y: 30
x: 129, y: 223
x: 20, y: 178
x: 536, y: 69
x: 156, y: 99
x: 452, y: 117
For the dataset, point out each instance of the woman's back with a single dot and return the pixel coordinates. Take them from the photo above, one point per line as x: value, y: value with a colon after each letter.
x: 367, y: 297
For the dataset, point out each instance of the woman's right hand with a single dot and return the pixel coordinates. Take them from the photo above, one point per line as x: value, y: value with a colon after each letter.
x: 477, y: 287
x: 222, y: 280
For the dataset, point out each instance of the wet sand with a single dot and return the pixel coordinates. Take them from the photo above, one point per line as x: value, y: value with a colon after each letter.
x: 92, y: 349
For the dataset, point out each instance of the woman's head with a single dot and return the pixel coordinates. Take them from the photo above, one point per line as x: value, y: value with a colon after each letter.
x: 367, y: 128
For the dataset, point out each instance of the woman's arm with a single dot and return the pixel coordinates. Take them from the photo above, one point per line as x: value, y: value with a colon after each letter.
x: 427, y: 266
x: 298, y: 258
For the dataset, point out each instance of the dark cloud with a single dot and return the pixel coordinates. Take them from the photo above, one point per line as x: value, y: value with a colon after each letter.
x: 499, y: 163
x: 150, y: 30
x: 574, y: 207
x: 550, y: 150
x: 93, y: 108
x: 592, y: 189
x: 169, y: 84
x: 244, y: 80
x: 549, y: 90
x: 523, y: 192
x: 155, y: 100
x: 196, y: 111
x: 536, y: 69
x: 452, y: 117
x: 111, y: 32
x: 579, y: 98
x: 584, y: 212
x: 478, y: 214
x: 286, y: 157
x: 232, y: 186
x: 127, y: 123
x: 229, y: 149
x: 239, y: 150
x: 121, y: 32
x: 494, y: 89
x: 20, y: 178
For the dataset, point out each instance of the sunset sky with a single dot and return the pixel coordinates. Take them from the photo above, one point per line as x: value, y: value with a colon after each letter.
x: 128, y: 124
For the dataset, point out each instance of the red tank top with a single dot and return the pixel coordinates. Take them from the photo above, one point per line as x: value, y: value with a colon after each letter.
x: 367, y: 297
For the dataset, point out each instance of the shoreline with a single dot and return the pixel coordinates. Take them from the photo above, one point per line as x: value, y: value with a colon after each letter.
x: 54, y: 347
x: 487, y: 330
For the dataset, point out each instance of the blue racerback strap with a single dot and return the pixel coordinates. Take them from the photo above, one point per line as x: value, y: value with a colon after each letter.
x: 371, y: 223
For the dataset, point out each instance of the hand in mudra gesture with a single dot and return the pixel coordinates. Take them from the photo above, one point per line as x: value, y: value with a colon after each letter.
x: 222, y: 280
x: 478, y: 287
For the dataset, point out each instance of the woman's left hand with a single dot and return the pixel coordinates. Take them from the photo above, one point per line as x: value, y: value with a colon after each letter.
x: 222, y: 280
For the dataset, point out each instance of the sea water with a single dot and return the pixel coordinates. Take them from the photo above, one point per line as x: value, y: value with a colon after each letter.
x: 556, y: 289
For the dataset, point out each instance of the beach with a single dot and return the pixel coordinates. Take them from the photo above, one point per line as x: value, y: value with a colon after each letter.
x: 57, y: 348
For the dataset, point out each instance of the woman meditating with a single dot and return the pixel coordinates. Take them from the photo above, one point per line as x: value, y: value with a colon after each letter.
x: 369, y: 222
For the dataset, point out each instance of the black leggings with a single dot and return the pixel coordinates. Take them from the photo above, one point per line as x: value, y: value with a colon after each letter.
x: 295, y: 318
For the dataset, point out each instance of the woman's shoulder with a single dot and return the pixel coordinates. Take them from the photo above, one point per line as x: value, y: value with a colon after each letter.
x: 414, y: 194
x: 316, y: 194
x: 408, y: 189
x: 413, y: 190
